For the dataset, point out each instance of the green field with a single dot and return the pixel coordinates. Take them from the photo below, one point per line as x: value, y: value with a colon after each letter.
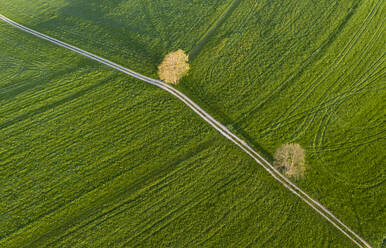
x: 320, y: 83
x: 136, y: 34
x: 90, y: 157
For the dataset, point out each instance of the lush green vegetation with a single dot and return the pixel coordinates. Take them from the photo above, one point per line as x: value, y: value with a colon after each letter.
x: 92, y: 158
x: 135, y: 33
x: 311, y: 73
x: 204, y: 39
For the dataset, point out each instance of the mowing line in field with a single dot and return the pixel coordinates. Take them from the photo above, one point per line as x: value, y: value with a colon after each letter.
x: 319, y: 208
x: 212, y: 29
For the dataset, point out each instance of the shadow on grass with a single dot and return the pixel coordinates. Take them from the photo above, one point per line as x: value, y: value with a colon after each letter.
x: 223, y: 118
x: 211, y: 31
x: 235, y: 125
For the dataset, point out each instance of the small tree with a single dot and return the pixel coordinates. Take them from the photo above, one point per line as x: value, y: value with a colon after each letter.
x: 173, y: 67
x: 290, y: 159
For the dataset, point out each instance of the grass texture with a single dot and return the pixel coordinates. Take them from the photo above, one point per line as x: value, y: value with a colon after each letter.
x: 310, y: 73
x: 92, y: 158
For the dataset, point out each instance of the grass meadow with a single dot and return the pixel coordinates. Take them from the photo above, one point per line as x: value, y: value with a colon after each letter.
x: 93, y: 158
x: 137, y: 34
x: 282, y: 71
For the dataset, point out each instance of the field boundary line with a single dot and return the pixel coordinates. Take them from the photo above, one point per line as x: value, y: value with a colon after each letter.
x: 319, y: 208
x: 205, y: 37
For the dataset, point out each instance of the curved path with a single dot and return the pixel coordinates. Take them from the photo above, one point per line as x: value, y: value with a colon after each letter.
x: 320, y: 209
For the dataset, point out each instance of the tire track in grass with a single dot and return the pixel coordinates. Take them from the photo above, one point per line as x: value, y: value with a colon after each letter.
x: 323, y: 103
x: 327, y: 106
x: 127, y: 205
x: 320, y: 135
x: 314, y: 111
x: 337, y: 176
x: 185, y: 172
x: 339, y: 81
x: 212, y: 29
x: 335, y: 104
x: 229, y: 214
x: 327, y: 103
x: 272, y: 236
x: 162, y: 185
x: 298, y: 101
x: 31, y: 203
x: 270, y: 68
x: 376, y: 68
x: 320, y: 79
x: 185, y: 211
x: 371, y: 140
x: 197, y: 199
x: 16, y: 69
x: 315, y: 55
x: 320, y: 209
x: 55, y: 104
x: 212, y: 232
x: 135, y: 188
x: 281, y: 57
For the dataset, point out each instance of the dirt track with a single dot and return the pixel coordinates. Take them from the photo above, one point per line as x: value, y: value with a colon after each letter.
x: 320, y: 209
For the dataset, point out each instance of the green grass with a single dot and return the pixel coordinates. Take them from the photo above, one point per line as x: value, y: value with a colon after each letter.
x: 204, y: 39
x: 314, y: 74
x: 137, y: 34
x: 92, y: 158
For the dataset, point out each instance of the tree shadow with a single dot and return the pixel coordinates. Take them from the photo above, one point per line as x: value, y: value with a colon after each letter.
x: 227, y: 121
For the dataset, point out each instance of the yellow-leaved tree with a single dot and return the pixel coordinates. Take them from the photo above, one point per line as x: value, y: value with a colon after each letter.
x: 290, y: 159
x: 173, y: 67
